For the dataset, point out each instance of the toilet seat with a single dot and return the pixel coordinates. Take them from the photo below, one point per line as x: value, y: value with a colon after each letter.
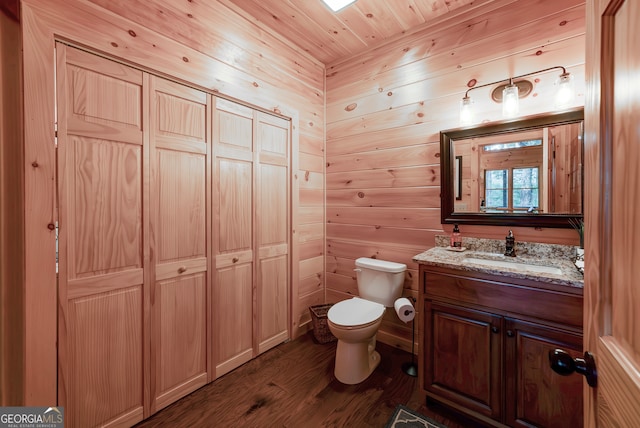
x: 355, y: 312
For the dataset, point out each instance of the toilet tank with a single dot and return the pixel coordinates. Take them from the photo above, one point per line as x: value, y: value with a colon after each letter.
x: 380, y: 281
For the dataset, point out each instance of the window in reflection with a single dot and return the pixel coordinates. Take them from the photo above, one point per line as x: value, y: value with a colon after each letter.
x: 510, y: 190
x: 514, y: 145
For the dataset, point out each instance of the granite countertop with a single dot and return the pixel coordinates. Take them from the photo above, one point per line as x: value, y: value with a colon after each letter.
x: 532, y: 254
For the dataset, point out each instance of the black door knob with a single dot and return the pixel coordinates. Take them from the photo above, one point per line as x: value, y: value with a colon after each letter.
x: 563, y: 364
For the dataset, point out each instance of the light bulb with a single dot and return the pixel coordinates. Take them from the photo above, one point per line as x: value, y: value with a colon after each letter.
x: 466, y: 111
x: 564, y: 91
x: 510, y: 101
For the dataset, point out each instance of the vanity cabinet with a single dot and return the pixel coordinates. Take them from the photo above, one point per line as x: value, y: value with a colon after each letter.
x: 486, y: 342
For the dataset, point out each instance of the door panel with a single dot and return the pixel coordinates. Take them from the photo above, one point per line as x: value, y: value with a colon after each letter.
x: 91, y: 80
x: 101, y: 289
x: 107, y: 206
x: 179, y: 228
x: 235, y: 205
x: 233, y: 303
x: 272, y: 222
x: 107, y: 382
x: 181, y: 348
x: 272, y: 200
x: 234, y: 126
x: 233, y: 316
x: 181, y: 211
x: 612, y: 155
x: 273, y: 302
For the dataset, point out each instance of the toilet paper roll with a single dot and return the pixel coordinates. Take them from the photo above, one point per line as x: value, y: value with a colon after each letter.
x: 404, y: 309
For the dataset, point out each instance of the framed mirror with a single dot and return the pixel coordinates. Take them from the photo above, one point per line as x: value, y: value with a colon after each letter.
x: 525, y: 172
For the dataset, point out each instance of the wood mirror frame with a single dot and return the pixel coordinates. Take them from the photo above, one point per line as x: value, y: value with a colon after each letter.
x: 447, y: 196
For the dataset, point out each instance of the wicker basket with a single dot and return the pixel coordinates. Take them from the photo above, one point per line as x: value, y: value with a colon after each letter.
x: 320, y: 326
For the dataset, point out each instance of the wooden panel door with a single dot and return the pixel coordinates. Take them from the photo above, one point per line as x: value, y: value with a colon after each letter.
x: 535, y: 394
x: 101, y: 287
x: 179, y: 219
x: 612, y: 217
x: 463, y: 357
x: 233, y: 246
x: 272, y: 234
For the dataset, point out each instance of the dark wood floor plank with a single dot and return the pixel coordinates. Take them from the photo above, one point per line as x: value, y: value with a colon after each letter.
x: 293, y: 386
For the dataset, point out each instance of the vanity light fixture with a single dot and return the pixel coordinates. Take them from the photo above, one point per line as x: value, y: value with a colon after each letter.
x: 511, y: 90
x: 336, y: 5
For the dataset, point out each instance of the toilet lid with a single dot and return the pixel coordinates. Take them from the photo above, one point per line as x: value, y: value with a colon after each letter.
x: 355, y: 311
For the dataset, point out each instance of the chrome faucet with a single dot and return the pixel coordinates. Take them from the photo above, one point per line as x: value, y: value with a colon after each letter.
x: 510, y: 245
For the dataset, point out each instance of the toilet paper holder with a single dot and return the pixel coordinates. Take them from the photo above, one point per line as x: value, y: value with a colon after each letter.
x: 404, y: 309
x: 410, y: 367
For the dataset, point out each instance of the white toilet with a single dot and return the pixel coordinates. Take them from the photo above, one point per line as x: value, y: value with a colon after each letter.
x: 355, y: 322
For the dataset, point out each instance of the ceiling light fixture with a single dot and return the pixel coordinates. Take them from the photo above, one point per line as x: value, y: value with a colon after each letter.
x: 511, y: 90
x: 336, y: 5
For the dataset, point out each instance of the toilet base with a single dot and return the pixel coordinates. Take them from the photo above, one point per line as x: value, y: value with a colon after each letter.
x: 355, y: 361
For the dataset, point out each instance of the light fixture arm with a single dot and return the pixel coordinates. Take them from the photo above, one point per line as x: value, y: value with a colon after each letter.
x: 511, y: 79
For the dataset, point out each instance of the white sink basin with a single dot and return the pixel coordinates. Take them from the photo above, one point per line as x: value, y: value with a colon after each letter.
x: 513, y: 265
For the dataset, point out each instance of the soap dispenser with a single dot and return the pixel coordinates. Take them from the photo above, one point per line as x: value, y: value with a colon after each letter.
x: 510, y: 245
x: 456, y: 239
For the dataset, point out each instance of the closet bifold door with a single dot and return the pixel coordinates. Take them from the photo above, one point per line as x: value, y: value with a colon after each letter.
x: 179, y: 244
x: 233, y: 182
x: 101, y: 240
x: 272, y: 234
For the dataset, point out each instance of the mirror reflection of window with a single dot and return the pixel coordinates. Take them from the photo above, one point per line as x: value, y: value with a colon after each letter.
x: 510, y: 190
x: 512, y: 145
x: 511, y: 170
x: 497, y: 190
x: 525, y: 188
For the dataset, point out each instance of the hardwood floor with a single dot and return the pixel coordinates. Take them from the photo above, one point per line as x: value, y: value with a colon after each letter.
x: 293, y: 385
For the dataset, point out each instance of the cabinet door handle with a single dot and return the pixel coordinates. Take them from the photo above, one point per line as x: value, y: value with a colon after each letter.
x: 563, y: 364
x: 510, y: 333
x: 495, y: 329
x: 182, y: 269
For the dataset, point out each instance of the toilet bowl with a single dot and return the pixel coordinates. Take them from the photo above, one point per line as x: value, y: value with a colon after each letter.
x: 355, y: 322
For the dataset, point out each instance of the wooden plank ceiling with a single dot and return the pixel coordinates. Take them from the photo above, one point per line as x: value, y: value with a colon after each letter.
x: 330, y: 37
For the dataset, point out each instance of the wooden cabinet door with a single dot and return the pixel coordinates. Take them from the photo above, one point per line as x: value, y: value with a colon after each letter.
x: 179, y: 230
x: 101, y: 240
x: 535, y: 394
x: 463, y: 357
x: 272, y: 230
x: 233, y: 231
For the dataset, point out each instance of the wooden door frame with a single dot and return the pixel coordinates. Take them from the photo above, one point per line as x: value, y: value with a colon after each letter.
x: 12, y: 198
x: 87, y: 25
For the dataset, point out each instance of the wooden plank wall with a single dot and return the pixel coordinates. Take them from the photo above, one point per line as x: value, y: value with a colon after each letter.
x: 11, y: 198
x: 206, y: 44
x: 385, y: 109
